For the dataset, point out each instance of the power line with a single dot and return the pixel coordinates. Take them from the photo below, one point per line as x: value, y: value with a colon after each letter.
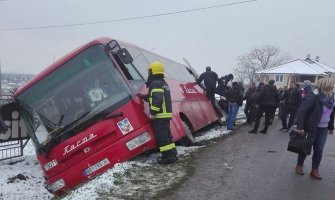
x: 126, y: 19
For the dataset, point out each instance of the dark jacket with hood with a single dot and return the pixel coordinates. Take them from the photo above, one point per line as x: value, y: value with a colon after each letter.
x: 159, y: 97
x: 210, y: 79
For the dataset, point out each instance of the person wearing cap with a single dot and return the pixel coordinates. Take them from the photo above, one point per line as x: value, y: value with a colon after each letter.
x: 160, y: 104
x: 307, y: 85
x: 210, y: 79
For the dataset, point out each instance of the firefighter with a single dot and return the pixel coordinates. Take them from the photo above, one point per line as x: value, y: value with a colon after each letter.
x: 160, y: 104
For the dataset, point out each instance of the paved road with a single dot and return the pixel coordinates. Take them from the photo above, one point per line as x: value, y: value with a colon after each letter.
x: 256, y: 167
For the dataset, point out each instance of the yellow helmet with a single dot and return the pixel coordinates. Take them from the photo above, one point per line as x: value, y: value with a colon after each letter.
x: 156, y: 68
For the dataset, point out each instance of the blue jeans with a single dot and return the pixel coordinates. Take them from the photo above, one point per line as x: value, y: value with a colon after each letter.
x: 232, y: 112
x: 318, y: 146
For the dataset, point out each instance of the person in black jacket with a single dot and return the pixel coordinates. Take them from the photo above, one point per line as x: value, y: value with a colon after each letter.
x: 160, y: 105
x: 292, y: 99
x: 269, y: 100
x: 222, y: 89
x: 251, y: 90
x: 254, y: 101
x: 210, y: 79
x: 313, y: 117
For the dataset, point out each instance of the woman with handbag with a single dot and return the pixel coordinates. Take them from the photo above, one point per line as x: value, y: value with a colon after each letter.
x: 313, y: 117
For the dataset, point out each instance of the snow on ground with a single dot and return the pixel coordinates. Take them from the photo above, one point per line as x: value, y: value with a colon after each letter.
x: 22, y: 178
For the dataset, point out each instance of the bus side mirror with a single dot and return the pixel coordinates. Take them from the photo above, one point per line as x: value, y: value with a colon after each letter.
x: 125, y: 56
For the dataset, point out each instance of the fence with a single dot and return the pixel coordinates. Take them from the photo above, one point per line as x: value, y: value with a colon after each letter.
x: 10, y: 149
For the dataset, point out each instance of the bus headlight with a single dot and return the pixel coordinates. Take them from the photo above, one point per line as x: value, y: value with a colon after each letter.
x: 138, y: 141
x: 53, y: 187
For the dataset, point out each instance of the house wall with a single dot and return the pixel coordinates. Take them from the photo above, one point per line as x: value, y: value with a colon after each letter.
x: 285, y: 81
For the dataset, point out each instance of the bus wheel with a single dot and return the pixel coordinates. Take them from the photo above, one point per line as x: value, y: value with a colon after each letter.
x: 188, y: 140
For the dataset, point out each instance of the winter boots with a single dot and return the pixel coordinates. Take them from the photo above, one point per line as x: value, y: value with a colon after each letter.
x: 283, y: 129
x: 167, y: 159
x: 264, y: 131
x: 315, y: 174
x: 253, y: 131
x: 299, y: 170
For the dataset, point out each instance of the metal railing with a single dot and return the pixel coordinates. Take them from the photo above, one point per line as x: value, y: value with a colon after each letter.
x: 10, y: 149
x: 5, y: 99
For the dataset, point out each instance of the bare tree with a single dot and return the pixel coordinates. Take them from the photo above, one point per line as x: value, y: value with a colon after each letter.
x: 259, y: 58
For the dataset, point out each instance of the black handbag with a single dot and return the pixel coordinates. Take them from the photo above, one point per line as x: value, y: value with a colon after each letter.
x: 301, y: 144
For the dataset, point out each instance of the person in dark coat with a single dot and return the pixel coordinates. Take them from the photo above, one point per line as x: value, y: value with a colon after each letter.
x: 281, y: 103
x: 269, y: 99
x: 210, y: 79
x: 292, y: 99
x: 227, y: 78
x: 222, y: 89
x: 313, y: 117
x: 251, y: 90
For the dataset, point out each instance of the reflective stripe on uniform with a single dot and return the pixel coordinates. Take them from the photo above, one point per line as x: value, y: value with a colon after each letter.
x: 167, y: 147
x: 164, y: 115
x: 157, y: 90
x: 164, y: 106
x: 154, y: 108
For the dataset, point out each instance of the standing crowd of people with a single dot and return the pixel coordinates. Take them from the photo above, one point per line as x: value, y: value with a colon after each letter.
x: 312, y: 111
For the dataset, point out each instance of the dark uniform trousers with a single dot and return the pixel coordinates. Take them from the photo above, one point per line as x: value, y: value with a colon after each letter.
x: 163, y: 137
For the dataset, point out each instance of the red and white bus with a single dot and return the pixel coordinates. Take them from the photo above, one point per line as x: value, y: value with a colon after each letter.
x: 84, y: 112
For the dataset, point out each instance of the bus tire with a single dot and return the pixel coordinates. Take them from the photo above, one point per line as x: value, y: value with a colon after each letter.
x: 189, y: 139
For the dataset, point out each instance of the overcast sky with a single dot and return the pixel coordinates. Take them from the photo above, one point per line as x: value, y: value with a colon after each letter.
x: 214, y: 37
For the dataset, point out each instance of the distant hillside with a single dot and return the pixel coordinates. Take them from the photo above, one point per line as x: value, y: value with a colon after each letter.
x: 9, y: 81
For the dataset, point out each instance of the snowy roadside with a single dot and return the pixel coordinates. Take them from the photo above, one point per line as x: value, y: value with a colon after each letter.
x: 141, y: 177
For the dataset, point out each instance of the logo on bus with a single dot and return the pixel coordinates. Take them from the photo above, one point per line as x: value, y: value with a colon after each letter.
x: 125, y: 126
x: 189, y: 90
x: 72, y: 147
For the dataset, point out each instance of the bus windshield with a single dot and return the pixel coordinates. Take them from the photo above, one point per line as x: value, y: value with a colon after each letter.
x: 78, y: 90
